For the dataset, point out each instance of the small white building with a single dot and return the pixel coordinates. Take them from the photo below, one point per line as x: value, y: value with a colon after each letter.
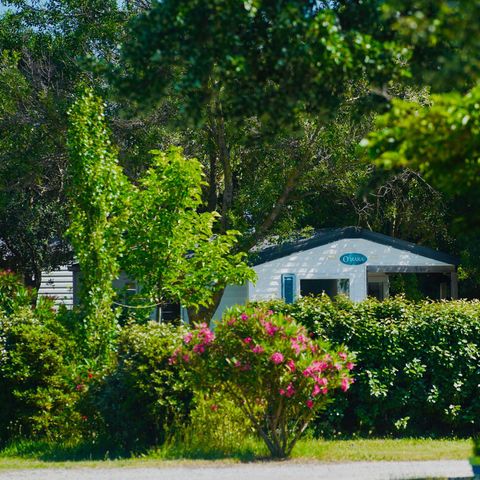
x: 350, y: 261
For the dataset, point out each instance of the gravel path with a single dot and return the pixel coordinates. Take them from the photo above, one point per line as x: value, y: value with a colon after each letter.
x: 257, y: 471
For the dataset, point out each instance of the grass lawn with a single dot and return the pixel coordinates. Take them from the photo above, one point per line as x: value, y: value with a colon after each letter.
x: 41, y: 454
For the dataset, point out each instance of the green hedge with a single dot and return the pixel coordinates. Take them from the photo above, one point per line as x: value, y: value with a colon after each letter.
x: 37, y: 358
x: 142, y: 398
x: 50, y: 389
x: 417, y: 373
x: 418, y: 364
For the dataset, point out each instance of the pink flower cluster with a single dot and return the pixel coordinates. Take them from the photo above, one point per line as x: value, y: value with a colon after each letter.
x: 320, y: 386
x: 299, y: 343
x: 276, y: 358
x: 315, y: 368
x: 204, y: 335
x: 345, y: 384
x: 270, y: 328
x: 314, y: 371
x: 258, y: 349
x: 254, y: 348
x: 243, y: 367
x: 288, y: 392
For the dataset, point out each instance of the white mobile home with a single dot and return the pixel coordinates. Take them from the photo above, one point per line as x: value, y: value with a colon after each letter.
x: 352, y: 261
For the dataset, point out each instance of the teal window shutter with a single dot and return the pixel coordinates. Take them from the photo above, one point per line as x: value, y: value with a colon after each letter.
x: 288, y: 287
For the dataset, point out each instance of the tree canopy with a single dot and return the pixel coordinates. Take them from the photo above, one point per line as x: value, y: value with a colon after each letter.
x: 271, y: 97
x: 266, y: 58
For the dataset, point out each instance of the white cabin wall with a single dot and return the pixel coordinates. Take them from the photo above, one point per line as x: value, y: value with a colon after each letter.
x: 324, y: 262
x: 58, y: 284
x: 233, y: 295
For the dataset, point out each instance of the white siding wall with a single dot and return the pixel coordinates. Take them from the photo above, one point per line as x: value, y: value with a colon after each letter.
x: 233, y: 295
x: 324, y: 262
x: 59, y: 285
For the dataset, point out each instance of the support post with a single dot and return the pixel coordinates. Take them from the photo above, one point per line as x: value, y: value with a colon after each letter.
x: 454, y: 285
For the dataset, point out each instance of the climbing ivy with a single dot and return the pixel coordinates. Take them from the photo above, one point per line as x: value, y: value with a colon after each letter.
x: 99, y: 211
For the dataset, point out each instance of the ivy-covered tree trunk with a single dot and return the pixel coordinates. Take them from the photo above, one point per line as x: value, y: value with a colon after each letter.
x: 98, y: 210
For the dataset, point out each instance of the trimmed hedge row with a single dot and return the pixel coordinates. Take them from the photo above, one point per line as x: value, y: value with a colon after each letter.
x: 418, y: 364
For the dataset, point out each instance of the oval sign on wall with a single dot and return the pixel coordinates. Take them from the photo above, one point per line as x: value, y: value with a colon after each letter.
x: 353, y: 258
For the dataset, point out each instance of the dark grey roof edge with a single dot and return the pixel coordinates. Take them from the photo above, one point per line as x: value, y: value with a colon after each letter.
x: 282, y: 250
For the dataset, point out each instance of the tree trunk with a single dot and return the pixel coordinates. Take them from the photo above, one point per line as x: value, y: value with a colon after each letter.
x: 220, y: 140
x: 305, y: 154
x: 33, y: 279
x: 290, y: 184
x: 205, y: 314
x: 212, y: 182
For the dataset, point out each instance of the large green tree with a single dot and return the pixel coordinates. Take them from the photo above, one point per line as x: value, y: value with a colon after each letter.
x: 99, y: 212
x: 171, y: 249
x: 238, y: 66
x: 151, y: 229
x: 270, y: 96
x: 277, y: 95
x: 266, y: 58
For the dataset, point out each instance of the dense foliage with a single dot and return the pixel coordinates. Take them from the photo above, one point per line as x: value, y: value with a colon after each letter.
x: 41, y: 44
x: 227, y: 62
x: 417, y: 364
x: 37, y: 359
x: 439, y: 140
x: 270, y: 368
x: 266, y: 58
x: 273, y: 97
x: 416, y: 373
x: 141, y: 399
x: 98, y: 211
x: 49, y: 389
x: 171, y: 248
x: 152, y: 229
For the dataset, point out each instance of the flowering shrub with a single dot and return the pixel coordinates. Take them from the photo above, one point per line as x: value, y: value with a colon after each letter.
x: 277, y: 375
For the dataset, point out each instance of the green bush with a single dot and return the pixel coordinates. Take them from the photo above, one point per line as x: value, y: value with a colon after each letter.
x: 216, y: 429
x: 418, y: 369
x: 266, y: 363
x: 13, y: 294
x: 37, y: 394
x: 142, y: 398
x: 50, y: 388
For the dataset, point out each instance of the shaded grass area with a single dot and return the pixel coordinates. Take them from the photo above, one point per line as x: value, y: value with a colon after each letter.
x: 39, y: 454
